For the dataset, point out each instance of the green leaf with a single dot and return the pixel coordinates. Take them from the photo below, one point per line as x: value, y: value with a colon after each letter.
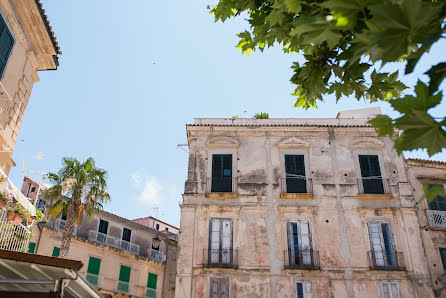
x: 293, y: 6
x: 431, y: 191
x: 437, y: 74
x: 384, y: 86
x: 423, y: 101
x: 383, y: 124
x: 316, y: 30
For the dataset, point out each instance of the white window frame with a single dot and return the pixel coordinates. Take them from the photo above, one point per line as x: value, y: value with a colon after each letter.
x: 308, y: 288
x: 392, y: 236
x: 389, y: 282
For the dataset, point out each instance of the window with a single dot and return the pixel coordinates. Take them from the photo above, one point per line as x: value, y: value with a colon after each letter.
x: 219, y: 288
x: 443, y: 257
x: 102, y: 230
x: 439, y: 202
x: 6, y: 43
x: 390, y: 290
x: 93, y: 270
x: 382, y: 244
x: 33, y: 189
x: 304, y: 289
x: 27, y: 190
x: 300, y: 251
x: 40, y: 204
x: 56, y: 251
x: 126, y: 234
x: 371, y: 174
x: 221, y: 173
x: 220, y: 241
x: 157, y: 227
x: 151, y: 285
x: 167, y: 229
x: 32, y: 247
x: 124, y: 279
x: 295, y: 174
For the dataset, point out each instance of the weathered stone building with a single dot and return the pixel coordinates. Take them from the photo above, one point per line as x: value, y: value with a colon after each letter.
x: 27, y: 45
x: 298, y: 208
x: 432, y: 217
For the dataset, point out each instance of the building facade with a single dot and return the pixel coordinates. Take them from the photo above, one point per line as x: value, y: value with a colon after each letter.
x: 157, y: 224
x: 27, y: 45
x: 298, y: 208
x: 432, y: 217
x: 122, y: 258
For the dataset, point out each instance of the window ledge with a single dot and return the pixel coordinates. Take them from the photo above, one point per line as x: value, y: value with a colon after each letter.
x: 307, y: 196
x: 221, y: 195
x: 373, y: 196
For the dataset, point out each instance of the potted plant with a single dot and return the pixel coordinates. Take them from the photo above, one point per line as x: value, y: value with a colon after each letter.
x: 37, y: 218
x: 4, y: 199
x: 16, y: 214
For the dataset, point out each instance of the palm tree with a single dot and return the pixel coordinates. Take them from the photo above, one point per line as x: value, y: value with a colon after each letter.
x: 77, y: 188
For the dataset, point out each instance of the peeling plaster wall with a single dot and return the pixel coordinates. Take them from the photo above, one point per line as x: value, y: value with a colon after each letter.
x: 338, y: 218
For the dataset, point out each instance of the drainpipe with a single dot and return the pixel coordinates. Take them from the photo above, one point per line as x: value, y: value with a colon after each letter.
x: 165, y: 268
x: 38, y: 240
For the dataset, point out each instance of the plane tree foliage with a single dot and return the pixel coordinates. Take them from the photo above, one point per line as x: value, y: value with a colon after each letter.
x: 346, y: 44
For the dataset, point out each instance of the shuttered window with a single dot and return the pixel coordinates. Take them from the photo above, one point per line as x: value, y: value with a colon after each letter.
x: 124, y: 279
x: 151, y: 285
x: 299, y: 243
x: 443, y: 257
x: 371, y: 174
x: 126, y: 234
x: 32, y: 247
x: 103, y: 226
x: 439, y: 202
x: 56, y: 251
x: 6, y: 43
x: 221, y: 173
x: 390, y: 290
x: 219, y: 288
x: 220, y: 241
x: 94, y: 265
x: 304, y: 289
x: 383, y: 247
x: 295, y: 174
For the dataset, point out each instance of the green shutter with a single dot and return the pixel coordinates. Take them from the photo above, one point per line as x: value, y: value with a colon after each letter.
x: 151, y: 281
x: 32, y: 247
x: 56, y: 251
x: 6, y: 43
x: 443, y: 257
x: 93, y: 265
x: 124, y: 273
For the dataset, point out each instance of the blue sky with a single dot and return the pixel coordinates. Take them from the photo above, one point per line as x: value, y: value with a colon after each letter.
x: 132, y: 74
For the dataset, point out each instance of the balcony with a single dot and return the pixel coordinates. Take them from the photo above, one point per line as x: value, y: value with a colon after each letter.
x: 220, y: 258
x: 157, y: 255
x: 113, y: 241
x: 296, y: 187
x: 124, y: 287
x: 13, y: 237
x: 94, y: 279
x: 436, y: 219
x: 379, y: 260
x: 303, y: 259
x: 59, y: 225
x: 374, y: 188
x: 152, y: 293
x: 225, y: 187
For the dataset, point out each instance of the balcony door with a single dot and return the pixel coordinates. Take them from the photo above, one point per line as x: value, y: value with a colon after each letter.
x: 371, y: 174
x: 295, y: 174
x: 221, y: 173
x: 220, y: 241
x: 102, y: 230
x: 383, y: 246
x: 299, y: 243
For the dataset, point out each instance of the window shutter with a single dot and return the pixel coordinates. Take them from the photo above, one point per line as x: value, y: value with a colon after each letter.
x: 375, y: 241
x: 93, y: 265
x: 124, y: 273
x: 151, y: 281
x: 103, y: 226
x: 56, y: 251
x: 224, y: 288
x: 443, y: 257
x: 6, y: 44
x: 387, y: 243
x: 32, y: 247
x: 300, y: 290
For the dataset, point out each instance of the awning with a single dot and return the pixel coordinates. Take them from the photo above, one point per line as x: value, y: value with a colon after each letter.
x: 30, y: 275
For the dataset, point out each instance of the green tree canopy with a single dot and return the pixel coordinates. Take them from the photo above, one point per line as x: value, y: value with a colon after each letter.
x: 345, y: 44
x: 78, y: 187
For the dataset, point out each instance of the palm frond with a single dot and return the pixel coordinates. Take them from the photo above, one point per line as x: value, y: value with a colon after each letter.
x: 59, y: 208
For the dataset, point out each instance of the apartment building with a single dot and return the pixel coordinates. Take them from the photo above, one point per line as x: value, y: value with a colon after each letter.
x: 157, y: 224
x: 27, y: 45
x: 432, y: 217
x: 298, y: 208
x: 122, y: 258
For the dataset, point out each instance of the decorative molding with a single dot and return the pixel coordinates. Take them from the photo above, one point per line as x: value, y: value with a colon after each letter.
x: 366, y: 143
x: 222, y: 142
x: 306, y: 196
x: 221, y: 195
x: 293, y: 142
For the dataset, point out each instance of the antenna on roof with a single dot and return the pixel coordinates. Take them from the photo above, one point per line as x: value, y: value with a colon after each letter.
x: 181, y: 146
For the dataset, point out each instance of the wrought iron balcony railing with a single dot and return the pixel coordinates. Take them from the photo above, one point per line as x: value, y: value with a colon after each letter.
x: 220, y: 258
x: 436, y: 218
x: 379, y: 260
x: 374, y: 185
x: 302, y: 259
x: 296, y: 184
x: 59, y: 225
x: 113, y: 241
x: 157, y: 255
x: 225, y: 184
x: 13, y: 237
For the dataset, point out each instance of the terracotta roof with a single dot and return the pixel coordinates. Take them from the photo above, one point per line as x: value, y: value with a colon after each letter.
x: 168, y: 224
x: 50, y: 31
x: 426, y: 163
x: 283, y: 125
